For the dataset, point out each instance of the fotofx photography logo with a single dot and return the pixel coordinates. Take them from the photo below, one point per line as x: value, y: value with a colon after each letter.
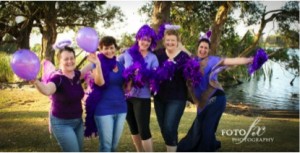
x: 254, y: 133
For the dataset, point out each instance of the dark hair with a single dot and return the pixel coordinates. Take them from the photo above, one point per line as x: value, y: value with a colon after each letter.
x: 65, y: 49
x: 107, y: 41
x: 172, y: 32
x: 204, y: 40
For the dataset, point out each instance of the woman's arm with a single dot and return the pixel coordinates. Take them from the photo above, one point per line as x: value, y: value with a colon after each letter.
x: 237, y: 61
x: 46, y: 89
x: 97, y: 71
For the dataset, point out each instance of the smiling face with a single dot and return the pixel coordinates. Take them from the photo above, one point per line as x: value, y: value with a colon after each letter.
x: 144, y: 43
x: 108, y: 51
x: 170, y: 42
x: 203, y: 49
x: 67, y: 61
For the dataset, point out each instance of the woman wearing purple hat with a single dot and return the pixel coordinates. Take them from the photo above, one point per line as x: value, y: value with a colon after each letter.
x: 210, y: 98
x: 139, y: 63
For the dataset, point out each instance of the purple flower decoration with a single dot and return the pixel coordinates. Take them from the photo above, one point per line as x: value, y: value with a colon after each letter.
x: 192, y: 72
x: 259, y: 59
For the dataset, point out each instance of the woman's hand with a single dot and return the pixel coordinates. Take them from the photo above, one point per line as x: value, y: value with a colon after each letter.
x: 250, y: 60
x: 93, y: 58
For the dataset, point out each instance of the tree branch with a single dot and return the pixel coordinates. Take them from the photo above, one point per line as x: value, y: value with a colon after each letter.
x: 272, y: 11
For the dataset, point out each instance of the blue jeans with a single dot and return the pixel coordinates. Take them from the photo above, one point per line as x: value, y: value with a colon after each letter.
x: 168, y: 115
x: 68, y: 133
x: 110, y: 128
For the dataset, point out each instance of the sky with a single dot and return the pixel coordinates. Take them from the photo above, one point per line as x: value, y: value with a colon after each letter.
x: 133, y: 21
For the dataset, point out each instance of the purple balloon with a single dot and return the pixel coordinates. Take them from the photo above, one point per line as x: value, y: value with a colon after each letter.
x: 25, y: 64
x: 87, y: 39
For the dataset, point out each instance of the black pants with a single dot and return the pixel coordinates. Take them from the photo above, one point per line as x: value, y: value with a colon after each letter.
x: 138, y: 116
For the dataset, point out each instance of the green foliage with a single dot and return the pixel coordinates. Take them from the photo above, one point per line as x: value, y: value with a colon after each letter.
x: 51, y: 17
x: 251, y: 11
x: 288, y: 58
x: 6, y: 73
x: 36, y: 48
x: 8, y: 47
x: 126, y: 40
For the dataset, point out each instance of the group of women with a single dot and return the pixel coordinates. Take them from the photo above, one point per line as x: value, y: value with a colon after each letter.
x: 121, y: 89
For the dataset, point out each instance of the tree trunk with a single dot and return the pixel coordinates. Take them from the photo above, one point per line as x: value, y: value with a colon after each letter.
x: 217, y: 27
x: 49, y: 34
x: 161, y: 14
x: 24, y: 36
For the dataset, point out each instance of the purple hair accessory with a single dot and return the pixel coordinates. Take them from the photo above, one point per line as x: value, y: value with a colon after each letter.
x: 172, y: 27
x: 259, y: 59
x: 192, y: 72
x: 166, y: 26
x: 62, y: 44
x: 147, y: 31
x: 205, y: 35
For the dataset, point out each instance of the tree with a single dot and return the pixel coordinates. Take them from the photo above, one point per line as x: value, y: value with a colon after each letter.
x: 18, y: 28
x: 192, y: 16
x: 51, y: 17
x: 285, y: 16
x: 218, y: 24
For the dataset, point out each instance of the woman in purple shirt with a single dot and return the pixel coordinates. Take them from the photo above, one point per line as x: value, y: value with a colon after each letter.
x: 139, y: 62
x: 106, y: 106
x: 209, y: 98
x: 66, y: 94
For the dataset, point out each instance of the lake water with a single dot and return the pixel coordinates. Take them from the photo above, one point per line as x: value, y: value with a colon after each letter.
x: 270, y: 93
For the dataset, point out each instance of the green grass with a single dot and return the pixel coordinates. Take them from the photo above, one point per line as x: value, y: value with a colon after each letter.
x: 24, y: 127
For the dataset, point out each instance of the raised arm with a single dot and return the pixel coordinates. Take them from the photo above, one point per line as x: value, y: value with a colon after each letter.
x: 97, y: 71
x: 237, y: 61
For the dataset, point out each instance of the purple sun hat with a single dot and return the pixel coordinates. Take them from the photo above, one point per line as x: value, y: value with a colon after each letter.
x: 147, y: 31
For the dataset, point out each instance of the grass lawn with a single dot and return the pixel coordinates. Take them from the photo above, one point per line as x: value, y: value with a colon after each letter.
x: 24, y: 127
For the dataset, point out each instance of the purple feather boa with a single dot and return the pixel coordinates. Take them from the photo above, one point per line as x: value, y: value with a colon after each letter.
x: 259, y: 59
x: 191, y: 72
x: 137, y: 72
x: 166, y: 72
x: 95, y: 96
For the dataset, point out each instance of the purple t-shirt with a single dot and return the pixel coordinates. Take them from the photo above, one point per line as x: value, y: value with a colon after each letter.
x: 66, y: 101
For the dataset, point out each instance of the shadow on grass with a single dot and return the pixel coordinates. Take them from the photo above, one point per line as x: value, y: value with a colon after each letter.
x: 25, y: 131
